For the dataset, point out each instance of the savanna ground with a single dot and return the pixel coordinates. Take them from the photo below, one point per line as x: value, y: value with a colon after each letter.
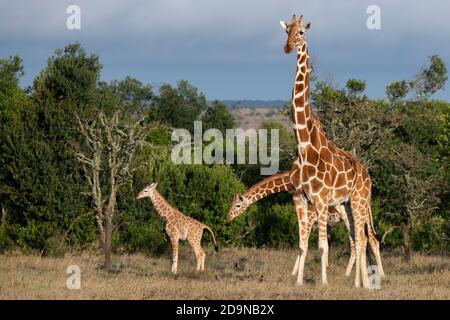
x: 230, y: 274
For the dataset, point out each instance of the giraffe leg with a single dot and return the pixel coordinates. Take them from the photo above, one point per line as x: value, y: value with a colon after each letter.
x: 203, y: 256
x: 351, y: 261
x: 174, y: 241
x: 304, y: 227
x: 297, y: 205
x: 295, y: 270
x: 352, y: 211
x: 375, y: 246
x: 322, y: 222
x: 365, y: 275
x: 195, y: 242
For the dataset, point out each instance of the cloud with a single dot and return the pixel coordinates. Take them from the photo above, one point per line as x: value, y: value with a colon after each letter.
x: 199, y: 36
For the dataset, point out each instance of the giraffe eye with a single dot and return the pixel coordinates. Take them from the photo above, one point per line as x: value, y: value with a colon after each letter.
x: 238, y: 206
x: 301, y: 32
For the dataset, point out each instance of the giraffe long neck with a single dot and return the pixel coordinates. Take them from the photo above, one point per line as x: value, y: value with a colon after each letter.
x: 273, y: 184
x: 161, y: 205
x: 301, y: 108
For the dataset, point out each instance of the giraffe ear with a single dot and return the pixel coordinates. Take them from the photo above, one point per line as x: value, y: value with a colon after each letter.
x: 154, y: 185
x: 308, y: 25
x: 241, y: 197
x: 284, y: 25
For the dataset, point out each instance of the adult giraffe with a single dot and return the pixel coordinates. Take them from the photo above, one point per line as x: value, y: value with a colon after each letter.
x: 324, y: 175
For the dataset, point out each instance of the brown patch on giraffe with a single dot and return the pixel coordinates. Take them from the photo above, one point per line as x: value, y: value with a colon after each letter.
x: 340, y: 193
x: 295, y: 178
x: 303, y: 69
x: 349, y: 176
x: 326, y: 155
x: 308, y: 171
x: 339, y: 165
x: 303, y: 134
x: 299, y: 87
x: 299, y: 101
x: 316, y: 185
x: 307, y: 110
x: 327, y: 179
x: 312, y: 156
x: 323, y: 139
x: 340, y: 180
x: 314, y: 137
x: 347, y: 166
x: 321, y: 167
x: 303, y: 59
x: 320, y: 175
x: 333, y: 172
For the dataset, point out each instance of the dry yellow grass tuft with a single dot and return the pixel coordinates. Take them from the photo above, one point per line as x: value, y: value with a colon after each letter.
x: 230, y: 274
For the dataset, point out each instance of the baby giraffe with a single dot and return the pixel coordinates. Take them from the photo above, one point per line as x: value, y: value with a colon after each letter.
x: 178, y: 227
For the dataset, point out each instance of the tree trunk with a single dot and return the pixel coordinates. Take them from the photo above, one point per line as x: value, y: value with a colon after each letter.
x: 107, y: 244
x: 406, y: 241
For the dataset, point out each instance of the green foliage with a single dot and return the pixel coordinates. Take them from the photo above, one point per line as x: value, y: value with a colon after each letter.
x: 355, y: 87
x: 12, y: 97
x: 397, y: 91
x: 218, y: 117
x: 179, y: 107
x: 277, y: 226
x: 70, y: 74
x: 431, y: 79
x: 5, y: 239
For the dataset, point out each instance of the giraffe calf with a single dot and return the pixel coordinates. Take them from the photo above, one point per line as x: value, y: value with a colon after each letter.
x: 178, y: 227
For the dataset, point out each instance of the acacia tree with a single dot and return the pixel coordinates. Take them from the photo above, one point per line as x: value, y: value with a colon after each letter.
x: 106, y: 155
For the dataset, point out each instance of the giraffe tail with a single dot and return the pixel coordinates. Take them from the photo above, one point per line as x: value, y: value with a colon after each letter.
x: 370, y: 222
x: 216, y: 246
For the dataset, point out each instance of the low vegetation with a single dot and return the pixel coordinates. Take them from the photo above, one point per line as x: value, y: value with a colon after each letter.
x: 230, y: 274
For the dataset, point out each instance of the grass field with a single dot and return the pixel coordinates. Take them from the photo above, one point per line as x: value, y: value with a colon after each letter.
x: 230, y: 274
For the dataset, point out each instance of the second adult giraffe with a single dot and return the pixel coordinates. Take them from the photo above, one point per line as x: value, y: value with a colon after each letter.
x: 325, y: 175
x: 281, y: 182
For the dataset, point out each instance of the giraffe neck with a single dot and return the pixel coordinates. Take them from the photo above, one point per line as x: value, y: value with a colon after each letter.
x: 301, y: 108
x: 161, y: 205
x: 273, y: 184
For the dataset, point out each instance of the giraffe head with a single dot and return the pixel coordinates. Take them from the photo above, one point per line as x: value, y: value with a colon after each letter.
x: 240, y: 203
x: 296, y: 32
x: 146, y: 192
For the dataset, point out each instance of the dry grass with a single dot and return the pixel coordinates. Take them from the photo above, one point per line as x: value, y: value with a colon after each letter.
x: 230, y: 274
x: 247, y: 118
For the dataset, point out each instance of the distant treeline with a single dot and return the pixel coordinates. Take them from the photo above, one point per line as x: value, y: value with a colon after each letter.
x: 252, y: 103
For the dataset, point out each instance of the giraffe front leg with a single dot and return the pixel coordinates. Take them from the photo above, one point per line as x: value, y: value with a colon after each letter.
x: 351, y: 261
x: 359, y: 230
x: 299, y: 215
x: 303, y: 229
x: 323, y: 239
x: 174, y: 242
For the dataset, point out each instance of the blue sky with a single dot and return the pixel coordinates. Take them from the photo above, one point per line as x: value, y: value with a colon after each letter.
x: 233, y: 49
